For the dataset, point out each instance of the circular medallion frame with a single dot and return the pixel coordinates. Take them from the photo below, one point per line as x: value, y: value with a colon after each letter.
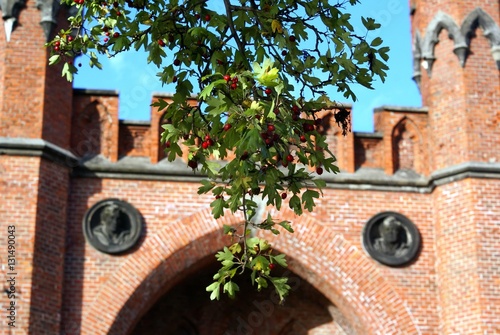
x: 391, y: 239
x: 112, y: 226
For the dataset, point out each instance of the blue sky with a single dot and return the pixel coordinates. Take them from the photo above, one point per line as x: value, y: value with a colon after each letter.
x: 135, y: 80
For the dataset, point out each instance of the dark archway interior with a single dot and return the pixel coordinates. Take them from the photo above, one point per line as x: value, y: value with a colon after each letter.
x: 187, y: 310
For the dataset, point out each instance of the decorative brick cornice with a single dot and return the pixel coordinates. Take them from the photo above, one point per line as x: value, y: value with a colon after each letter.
x: 140, y: 168
x: 38, y: 148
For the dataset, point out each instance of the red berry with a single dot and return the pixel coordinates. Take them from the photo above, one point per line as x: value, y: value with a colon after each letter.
x: 192, y: 164
x: 167, y: 144
x: 161, y: 43
x: 295, y: 109
x: 205, y: 145
x: 268, y: 91
x: 70, y: 38
x: 283, y: 195
x: 227, y: 126
x: 234, y: 86
x: 272, y: 265
x: 303, y: 139
x: 116, y: 34
x: 292, y: 39
x: 235, y: 79
x: 107, y: 33
x: 269, y: 141
x: 227, y: 77
x: 57, y: 43
x: 271, y: 127
x: 118, y: 13
x: 105, y: 39
x: 283, y: 53
x: 210, y: 142
x: 207, y: 17
x: 105, y: 29
x: 207, y: 137
x: 289, y: 158
x: 177, y: 62
x: 56, y: 48
x: 319, y: 170
x: 174, y: 79
x: 197, y: 16
x: 307, y: 127
x: 276, y: 111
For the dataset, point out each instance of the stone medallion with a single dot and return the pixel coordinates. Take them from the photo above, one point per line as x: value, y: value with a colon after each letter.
x: 391, y: 239
x: 112, y: 226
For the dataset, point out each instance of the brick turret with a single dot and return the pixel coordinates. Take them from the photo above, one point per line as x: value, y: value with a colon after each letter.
x: 457, y: 46
x: 35, y: 123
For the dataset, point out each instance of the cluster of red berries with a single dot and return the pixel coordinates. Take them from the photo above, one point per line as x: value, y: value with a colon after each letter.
x: 270, y: 136
x: 232, y: 82
x: 207, y: 17
x: 79, y: 2
x: 208, y: 142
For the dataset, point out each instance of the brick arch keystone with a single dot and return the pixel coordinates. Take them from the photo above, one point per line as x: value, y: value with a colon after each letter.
x: 338, y: 269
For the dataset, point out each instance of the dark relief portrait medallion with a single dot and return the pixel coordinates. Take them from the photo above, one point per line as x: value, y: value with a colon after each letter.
x: 391, y: 239
x: 112, y: 226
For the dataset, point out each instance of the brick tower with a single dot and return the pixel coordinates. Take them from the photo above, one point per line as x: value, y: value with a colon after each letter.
x: 64, y: 151
x: 35, y: 116
x: 458, y: 49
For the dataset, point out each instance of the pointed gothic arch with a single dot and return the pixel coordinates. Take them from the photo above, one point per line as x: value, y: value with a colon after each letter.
x: 439, y: 22
x: 407, y: 151
x: 479, y: 18
x: 158, y: 265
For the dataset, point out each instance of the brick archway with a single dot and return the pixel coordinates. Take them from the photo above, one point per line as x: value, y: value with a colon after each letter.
x: 333, y: 265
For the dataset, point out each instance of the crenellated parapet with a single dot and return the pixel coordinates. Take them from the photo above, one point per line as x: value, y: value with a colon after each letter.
x: 397, y: 147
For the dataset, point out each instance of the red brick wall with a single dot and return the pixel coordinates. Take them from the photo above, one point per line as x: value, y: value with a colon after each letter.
x: 19, y: 190
x: 68, y: 287
x: 326, y: 249
x: 36, y: 103
x: 34, y: 195
x: 467, y: 249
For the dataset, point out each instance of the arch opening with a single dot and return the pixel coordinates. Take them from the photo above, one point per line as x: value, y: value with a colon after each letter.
x: 187, y: 310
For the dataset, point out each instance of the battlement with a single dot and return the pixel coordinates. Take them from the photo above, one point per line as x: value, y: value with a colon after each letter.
x: 398, y: 143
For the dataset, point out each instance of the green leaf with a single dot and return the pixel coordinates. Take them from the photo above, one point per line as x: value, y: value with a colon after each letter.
x: 308, y: 199
x: 54, y: 59
x: 207, y: 185
x: 261, y: 283
x: 231, y: 288
x: 215, y: 289
x: 280, y: 260
x: 281, y: 286
x: 224, y: 255
x: 218, y: 208
x: 286, y: 225
x: 376, y: 42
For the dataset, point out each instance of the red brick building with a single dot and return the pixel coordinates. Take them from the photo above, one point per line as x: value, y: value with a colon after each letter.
x: 64, y: 150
